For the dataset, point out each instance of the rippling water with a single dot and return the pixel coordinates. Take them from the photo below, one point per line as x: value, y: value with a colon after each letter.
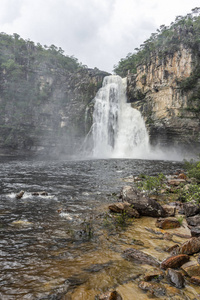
x: 47, y: 244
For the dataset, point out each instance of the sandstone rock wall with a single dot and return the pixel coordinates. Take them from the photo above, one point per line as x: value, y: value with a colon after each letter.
x: 155, y: 90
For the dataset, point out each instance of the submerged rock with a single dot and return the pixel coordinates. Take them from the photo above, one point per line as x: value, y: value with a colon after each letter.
x: 43, y: 193
x: 154, y: 288
x: 175, y: 261
x: 167, y: 223
x: 176, y: 278
x: 195, y: 280
x: 143, y: 204
x: 140, y: 257
x: 124, y: 207
x: 154, y: 275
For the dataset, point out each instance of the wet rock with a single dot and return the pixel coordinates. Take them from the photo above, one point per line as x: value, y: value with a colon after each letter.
x: 176, y: 182
x: 19, y: 195
x: 124, y: 207
x: 191, y: 268
x: 195, y: 280
x: 114, y: 295
x: 176, y: 278
x: 195, y: 231
x: 156, y: 275
x: 140, y: 257
x: 170, y: 210
x: 97, y: 267
x: 191, y: 209
x: 190, y: 247
x: 174, y: 261
x: 167, y: 223
x: 155, y: 289
x: 193, y: 221
x: 143, y: 204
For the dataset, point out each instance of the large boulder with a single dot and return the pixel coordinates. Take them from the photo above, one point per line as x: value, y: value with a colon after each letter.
x: 143, y: 204
x: 190, y: 209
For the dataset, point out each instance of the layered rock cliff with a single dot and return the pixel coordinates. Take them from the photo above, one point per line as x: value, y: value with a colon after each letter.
x: 165, y: 90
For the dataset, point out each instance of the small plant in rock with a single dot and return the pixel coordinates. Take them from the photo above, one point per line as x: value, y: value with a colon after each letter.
x: 180, y: 220
x: 116, y: 221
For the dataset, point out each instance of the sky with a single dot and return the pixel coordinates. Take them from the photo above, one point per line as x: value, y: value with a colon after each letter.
x: 97, y: 32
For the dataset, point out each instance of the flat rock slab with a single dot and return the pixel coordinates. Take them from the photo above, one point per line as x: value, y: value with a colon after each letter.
x: 140, y: 257
x: 143, y: 204
x: 175, y: 261
x: 191, y: 269
x: 167, y: 223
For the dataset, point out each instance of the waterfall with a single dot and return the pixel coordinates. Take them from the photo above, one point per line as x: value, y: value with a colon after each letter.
x: 118, y: 130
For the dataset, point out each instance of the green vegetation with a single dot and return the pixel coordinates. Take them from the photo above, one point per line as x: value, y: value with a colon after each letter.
x: 167, y: 40
x: 116, y: 221
x: 151, y: 183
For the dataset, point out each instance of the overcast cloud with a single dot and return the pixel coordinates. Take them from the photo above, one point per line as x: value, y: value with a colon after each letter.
x: 98, y: 32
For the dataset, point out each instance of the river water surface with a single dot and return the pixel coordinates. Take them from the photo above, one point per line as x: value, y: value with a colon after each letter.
x: 58, y: 246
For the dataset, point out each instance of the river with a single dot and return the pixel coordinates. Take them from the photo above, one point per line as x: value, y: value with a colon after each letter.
x: 50, y: 245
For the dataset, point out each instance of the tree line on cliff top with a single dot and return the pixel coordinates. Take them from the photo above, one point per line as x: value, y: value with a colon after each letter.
x: 185, y: 30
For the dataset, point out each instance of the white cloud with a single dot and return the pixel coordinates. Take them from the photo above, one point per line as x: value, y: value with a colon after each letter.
x: 98, y: 33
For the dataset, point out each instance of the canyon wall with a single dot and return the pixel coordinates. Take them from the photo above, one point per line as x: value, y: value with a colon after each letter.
x: 166, y: 91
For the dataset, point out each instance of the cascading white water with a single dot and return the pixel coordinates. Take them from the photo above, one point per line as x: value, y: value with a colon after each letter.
x: 118, y: 130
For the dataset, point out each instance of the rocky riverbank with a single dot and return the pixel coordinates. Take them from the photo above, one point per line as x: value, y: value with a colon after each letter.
x: 176, y: 224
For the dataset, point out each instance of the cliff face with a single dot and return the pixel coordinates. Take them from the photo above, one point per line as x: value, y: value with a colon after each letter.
x: 54, y: 121
x: 157, y: 90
